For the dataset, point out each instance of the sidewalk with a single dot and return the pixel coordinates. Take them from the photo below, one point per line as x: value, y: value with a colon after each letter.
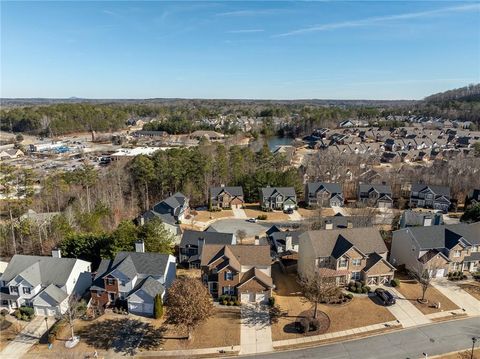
x: 190, y: 352
x: 27, y: 337
x: 405, y: 312
x: 343, y: 333
x: 255, y: 330
x: 458, y: 296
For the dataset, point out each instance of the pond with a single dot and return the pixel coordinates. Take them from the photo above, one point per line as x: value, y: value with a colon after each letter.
x: 276, y: 141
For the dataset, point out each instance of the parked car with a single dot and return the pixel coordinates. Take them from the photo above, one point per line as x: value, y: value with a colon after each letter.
x: 252, y: 220
x: 385, y: 296
x: 288, y: 211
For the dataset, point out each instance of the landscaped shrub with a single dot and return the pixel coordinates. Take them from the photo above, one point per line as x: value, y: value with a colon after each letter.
x: 237, y: 303
x: 314, y: 324
x: 349, y: 296
x: 158, y: 307
x: 395, y: 282
x: 358, y: 284
x: 359, y: 290
x: 304, y: 325
x: 4, y: 312
x: 368, y: 288
x: 24, y: 313
x: 271, y: 301
x: 262, y: 217
x: 364, y: 290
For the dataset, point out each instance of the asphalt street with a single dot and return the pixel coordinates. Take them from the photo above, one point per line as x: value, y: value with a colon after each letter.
x: 432, y: 339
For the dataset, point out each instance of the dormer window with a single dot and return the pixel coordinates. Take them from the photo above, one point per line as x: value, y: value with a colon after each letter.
x: 26, y: 290
x: 14, y: 289
x: 356, y: 262
x: 228, y: 276
x: 110, y: 281
x: 342, y: 262
x: 457, y: 253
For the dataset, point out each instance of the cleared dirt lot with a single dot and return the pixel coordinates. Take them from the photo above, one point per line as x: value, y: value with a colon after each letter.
x: 361, y: 311
x: 412, y: 291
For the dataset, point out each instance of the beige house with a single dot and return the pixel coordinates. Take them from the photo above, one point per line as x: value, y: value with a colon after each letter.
x: 346, y: 254
x: 441, y: 249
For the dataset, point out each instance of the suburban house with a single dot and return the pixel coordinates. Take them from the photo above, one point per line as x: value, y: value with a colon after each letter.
x: 10, y: 153
x: 134, y: 279
x: 242, y: 271
x: 425, y: 196
x: 346, y: 254
x: 323, y: 194
x: 440, y: 249
x: 339, y: 221
x: 376, y: 195
x: 226, y: 197
x: 473, y: 198
x: 411, y: 218
x: 44, y: 283
x: 171, y: 211
x: 278, y: 198
x: 191, y: 245
x: 283, y: 242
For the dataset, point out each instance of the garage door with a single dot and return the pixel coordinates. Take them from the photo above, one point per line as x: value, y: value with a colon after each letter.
x: 245, y: 297
x: 440, y: 273
x: 45, y: 311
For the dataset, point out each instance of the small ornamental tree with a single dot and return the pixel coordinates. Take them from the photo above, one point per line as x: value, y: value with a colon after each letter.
x: 188, y: 303
x: 158, y: 307
x: 319, y: 287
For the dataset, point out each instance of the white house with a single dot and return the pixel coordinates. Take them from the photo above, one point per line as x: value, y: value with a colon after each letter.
x: 44, y: 283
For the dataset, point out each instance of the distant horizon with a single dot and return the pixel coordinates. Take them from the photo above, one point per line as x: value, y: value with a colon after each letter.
x: 277, y: 51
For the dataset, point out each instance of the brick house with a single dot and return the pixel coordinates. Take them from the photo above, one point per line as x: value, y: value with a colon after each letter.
x: 323, y: 194
x: 243, y: 271
x: 226, y: 197
x: 278, y: 198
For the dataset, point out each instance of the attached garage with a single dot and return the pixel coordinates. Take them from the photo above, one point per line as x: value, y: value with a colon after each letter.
x: 141, y: 301
x: 45, y: 311
x: 140, y: 308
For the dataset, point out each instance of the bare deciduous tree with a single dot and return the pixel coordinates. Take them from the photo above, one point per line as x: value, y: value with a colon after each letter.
x: 319, y: 287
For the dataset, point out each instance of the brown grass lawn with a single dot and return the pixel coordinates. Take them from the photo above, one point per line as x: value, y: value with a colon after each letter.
x: 472, y: 288
x: 253, y: 210
x: 412, y: 290
x: 192, y: 273
x: 122, y: 333
x: 360, y: 312
x: 464, y: 354
x: 8, y: 334
x: 306, y: 213
x: 205, y: 216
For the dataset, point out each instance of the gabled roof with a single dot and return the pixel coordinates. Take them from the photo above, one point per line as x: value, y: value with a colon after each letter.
x: 373, y: 259
x: 342, y: 245
x: 40, y: 269
x: 366, y: 240
x: 52, y: 294
x: 333, y: 188
x: 131, y: 264
x: 191, y: 237
x: 149, y: 286
x: 234, y: 191
x: 255, y: 273
x: 281, y: 237
x: 380, y: 188
x: 170, y: 206
x: 272, y: 230
x: 248, y: 255
x: 285, y: 191
x: 430, y: 254
x: 437, y: 190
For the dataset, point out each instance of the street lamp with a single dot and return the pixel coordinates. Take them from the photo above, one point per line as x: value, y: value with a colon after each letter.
x: 474, y: 340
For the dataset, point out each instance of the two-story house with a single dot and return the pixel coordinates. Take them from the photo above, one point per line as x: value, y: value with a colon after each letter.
x: 134, y: 278
x: 440, y: 249
x: 278, y: 198
x: 473, y: 198
x: 376, y: 195
x: 191, y: 245
x: 283, y: 242
x: 345, y: 254
x: 323, y: 194
x: 411, y: 218
x: 427, y: 196
x: 44, y: 283
x: 242, y: 271
x: 226, y: 197
x: 171, y: 211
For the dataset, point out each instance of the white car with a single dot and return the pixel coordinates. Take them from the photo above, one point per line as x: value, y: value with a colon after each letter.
x: 252, y: 220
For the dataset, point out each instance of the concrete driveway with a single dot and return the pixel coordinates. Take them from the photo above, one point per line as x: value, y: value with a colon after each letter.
x: 27, y: 337
x: 457, y: 295
x: 405, y: 312
x: 255, y: 330
x: 295, y: 216
x: 239, y: 213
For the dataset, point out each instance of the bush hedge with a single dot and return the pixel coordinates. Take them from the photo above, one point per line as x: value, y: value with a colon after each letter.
x: 395, y: 282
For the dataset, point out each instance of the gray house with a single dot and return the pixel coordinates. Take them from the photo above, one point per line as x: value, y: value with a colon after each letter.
x: 278, y: 198
x: 226, y: 197
x: 426, y: 196
x: 44, y: 283
x: 323, y: 194
x: 376, y: 195
x: 191, y: 245
x: 135, y: 278
x: 411, y: 218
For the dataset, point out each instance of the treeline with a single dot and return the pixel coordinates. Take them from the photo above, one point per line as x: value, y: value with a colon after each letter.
x: 467, y: 93
x: 193, y: 170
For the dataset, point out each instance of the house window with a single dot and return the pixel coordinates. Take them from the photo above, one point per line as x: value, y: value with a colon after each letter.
x: 474, y: 249
x: 26, y: 290
x: 356, y: 262
x: 228, y: 276
x: 342, y: 262
x: 228, y: 290
x: 5, y: 303
x: 99, y: 294
x: 457, y: 253
x: 110, y: 281
x: 14, y: 289
x: 455, y: 266
x: 355, y: 275
x: 214, y: 271
x: 122, y: 283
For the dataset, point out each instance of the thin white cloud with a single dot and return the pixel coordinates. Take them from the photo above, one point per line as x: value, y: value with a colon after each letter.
x: 412, y: 81
x: 246, y: 31
x: 382, y: 19
x: 251, y: 12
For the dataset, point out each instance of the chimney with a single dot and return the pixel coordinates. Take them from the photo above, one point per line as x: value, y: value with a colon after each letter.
x: 288, y: 242
x: 56, y: 253
x: 257, y: 240
x: 140, y: 247
x: 349, y: 224
x: 427, y: 221
x: 328, y: 225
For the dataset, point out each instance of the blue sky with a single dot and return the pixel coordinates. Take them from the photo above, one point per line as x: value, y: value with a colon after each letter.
x: 270, y: 50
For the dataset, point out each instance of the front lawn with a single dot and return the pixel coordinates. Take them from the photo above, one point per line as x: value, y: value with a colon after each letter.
x: 472, y: 288
x: 411, y: 290
x: 253, y: 210
x: 9, y: 329
x: 205, y: 216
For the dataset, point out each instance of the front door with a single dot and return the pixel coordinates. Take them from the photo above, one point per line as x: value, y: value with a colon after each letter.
x: 111, y: 297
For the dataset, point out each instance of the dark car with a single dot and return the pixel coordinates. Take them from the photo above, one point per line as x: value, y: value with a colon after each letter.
x: 288, y: 211
x: 385, y: 296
